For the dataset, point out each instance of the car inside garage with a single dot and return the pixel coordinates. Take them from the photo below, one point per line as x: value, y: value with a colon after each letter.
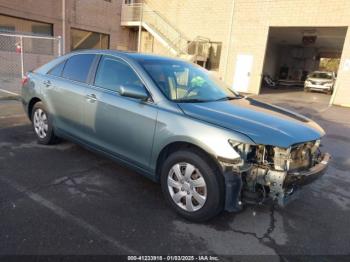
x: 302, y: 59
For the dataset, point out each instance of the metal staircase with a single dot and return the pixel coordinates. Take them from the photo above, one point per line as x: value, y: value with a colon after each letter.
x: 177, y: 44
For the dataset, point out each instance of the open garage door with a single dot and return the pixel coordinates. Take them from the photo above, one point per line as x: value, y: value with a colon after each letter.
x: 302, y: 59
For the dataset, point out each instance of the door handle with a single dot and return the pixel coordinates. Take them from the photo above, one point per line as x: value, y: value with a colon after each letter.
x: 91, y: 98
x: 47, y: 83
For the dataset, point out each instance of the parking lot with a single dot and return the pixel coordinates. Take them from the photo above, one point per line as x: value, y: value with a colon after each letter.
x: 64, y: 199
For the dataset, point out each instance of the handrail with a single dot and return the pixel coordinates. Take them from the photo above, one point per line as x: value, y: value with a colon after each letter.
x: 154, y: 19
x: 175, y: 39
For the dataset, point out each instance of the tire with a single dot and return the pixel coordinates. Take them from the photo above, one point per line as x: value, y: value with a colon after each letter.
x: 306, y: 89
x: 213, y: 192
x: 330, y: 92
x: 42, y: 125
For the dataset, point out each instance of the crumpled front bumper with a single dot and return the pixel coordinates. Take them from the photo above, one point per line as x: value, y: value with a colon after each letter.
x: 295, y: 180
x: 307, y: 176
x: 284, y: 186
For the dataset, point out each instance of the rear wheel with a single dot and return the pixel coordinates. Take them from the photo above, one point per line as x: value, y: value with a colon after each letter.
x: 192, y: 186
x: 42, y: 124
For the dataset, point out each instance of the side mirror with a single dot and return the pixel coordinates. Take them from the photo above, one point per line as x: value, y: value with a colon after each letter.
x: 134, y: 91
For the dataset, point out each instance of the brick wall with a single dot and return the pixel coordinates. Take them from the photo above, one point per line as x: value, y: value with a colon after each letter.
x: 207, y: 18
x: 92, y: 15
x: 99, y: 16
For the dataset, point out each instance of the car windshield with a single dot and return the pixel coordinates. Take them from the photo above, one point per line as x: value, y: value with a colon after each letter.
x: 321, y: 75
x: 185, y: 82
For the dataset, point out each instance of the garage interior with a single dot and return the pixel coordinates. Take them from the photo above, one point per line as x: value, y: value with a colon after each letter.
x: 294, y: 52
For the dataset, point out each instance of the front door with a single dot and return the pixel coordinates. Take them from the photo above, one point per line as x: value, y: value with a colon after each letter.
x: 122, y: 126
x: 243, y: 69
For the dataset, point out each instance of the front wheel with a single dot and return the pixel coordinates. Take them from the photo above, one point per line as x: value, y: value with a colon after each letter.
x: 42, y: 124
x: 192, y: 185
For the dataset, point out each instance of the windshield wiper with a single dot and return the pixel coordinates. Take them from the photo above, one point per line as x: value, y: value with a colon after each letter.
x: 225, y: 98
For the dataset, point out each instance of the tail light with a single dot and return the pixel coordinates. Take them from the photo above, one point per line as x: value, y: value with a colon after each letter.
x: 24, y: 80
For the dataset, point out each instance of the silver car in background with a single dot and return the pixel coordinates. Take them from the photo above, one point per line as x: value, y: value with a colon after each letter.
x: 320, y: 81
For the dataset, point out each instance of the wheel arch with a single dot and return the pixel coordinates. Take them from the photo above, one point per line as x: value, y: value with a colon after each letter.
x: 31, y: 104
x: 182, y: 145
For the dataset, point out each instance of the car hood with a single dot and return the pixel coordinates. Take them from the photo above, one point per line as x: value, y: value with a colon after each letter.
x: 263, y: 123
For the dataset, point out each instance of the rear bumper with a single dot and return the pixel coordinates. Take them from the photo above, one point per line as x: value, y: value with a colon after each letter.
x: 308, y: 176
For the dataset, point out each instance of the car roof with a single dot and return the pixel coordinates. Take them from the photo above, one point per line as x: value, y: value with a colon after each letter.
x: 128, y: 54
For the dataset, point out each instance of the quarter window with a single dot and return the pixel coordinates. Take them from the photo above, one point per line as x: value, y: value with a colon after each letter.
x: 57, y: 70
x: 113, y: 73
x: 77, y: 67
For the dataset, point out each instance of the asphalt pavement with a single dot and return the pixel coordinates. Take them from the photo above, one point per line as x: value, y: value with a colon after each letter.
x: 64, y: 200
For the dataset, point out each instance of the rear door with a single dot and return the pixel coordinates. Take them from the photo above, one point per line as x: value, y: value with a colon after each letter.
x: 66, y: 90
x: 120, y: 125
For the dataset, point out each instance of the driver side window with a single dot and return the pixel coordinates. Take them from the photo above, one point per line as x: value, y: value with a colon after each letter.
x: 113, y: 73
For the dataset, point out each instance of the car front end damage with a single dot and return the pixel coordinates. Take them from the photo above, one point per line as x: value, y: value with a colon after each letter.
x: 270, y: 172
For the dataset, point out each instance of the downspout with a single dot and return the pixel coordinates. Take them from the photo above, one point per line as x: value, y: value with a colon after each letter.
x: 229, y: 39
x: 140, y: 29
x: 63, y: 27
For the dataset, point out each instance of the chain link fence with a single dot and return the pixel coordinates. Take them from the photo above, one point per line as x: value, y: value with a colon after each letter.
x: 22, y: 53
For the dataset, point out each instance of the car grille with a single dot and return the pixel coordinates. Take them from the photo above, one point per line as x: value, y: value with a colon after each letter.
x: 316, y: 83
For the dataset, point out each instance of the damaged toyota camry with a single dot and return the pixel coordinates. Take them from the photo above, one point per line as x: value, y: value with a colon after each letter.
x: 210, y: 148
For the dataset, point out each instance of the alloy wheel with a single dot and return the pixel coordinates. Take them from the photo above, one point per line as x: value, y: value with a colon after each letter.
x: 40, y: 123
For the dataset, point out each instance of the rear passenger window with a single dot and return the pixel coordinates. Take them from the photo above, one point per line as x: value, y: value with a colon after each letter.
x: 113, y: 73
x: 57, y: 70
x: 78, y: 66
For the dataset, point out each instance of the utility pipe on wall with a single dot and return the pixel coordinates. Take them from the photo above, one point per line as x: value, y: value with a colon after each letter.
x: 229, y: 40
x: 140, y: 29
x: 63, y: 27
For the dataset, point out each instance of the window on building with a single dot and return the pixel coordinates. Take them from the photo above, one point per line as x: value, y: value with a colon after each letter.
x: 81, y: 39
x: 24, y: 26
x: 213, y: 62
x: 7, y: 28
x: 15, y: 25
x: 8, y: 43
x: 77, y: 67
x: 113, y: 73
